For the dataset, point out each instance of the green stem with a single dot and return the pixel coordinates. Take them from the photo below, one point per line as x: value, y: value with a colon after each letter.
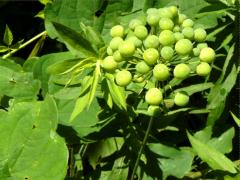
x: 24, y: 44
x: 142, y: 147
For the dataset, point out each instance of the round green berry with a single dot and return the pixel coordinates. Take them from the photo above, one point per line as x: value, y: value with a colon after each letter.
x: 181, y: 18
x: 137, y: 42
x: 203, y: 69
x: 167, y: 53
x: 187, y: 23
x: 134, y: 23
x: 150, y: 56
x: 176, y: 28
x: 200, y: 35
x: 207, y: 54
x: 151, y: 41
x: 181, y: 99
x: 196, y: 51
x: 165, y: 13
x: 117, y: 31
x: 154, y: 96
x: 117, y: 56
x: 173, y: 10
x: 181, y: 71
x: 166, y: 24
x: 188, y: 32
x: 141, y: 32
x: 166, y: 38
x: 178, y: 36
x: 115, y: 42
x: 126, y: 49
x: 202, y: 45
x: 109, y: 64
x: 123, y: 78
x: 153, y: 19
x: 142, y: 67
x: 109, y: 51
x: 161, y: 72
x: 183, y: 46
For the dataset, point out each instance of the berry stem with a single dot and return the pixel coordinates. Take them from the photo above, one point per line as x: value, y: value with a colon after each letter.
x: 142, y: 147
x: 24, y: 44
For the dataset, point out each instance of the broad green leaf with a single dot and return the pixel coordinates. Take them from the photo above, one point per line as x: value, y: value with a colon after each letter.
x: 236, y: 119
x: 8, y: 36
x: 43, y: 63
x: 223, y: 143
x: 80, y: 105
x: 173, y: 162
x: 74, y: 41
x: 223, y: 89
x: 93, y: 36
x: 20, y: 85
x: 101, y: 149
x: 31, y: 145
x: 118, y: 172
x: 215, y: 159
x: 195, y: 88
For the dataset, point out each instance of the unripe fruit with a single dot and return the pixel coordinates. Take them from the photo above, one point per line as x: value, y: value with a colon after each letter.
x: 126, y: 49
x: 183, y: 46
x: 166, y: 38
x: 123, y: 78
x: 154, y: 110
x: 202, y: 45
x: 167, y: 52
x: 153, y: 19
x: 181, y: 18
x: 196, y: 51
x: 151, y: 41
x: 173, y: 10
x: 152, y: 11
x: 137, y: 42
x: 109, y: 51
x: 181, y: 99
x: 207, y: 55
x: 150, y: 56
x: 178, y: 36
x: 115, y: 42
x: 187, y: 23
x: 117, y: 56
x: 161, y: 72
x: 134, y: 23
x: 166, y: 24
x: 203, y: 69
x: 117, y: 31
x: 141, y: 32
x: 181, y: 71
x: 176, y: 28
x: 142, y: 67
x: 109, y: 64
x: 188, y: 32
x: 200, y: 35
x: 165, y: 13
x: 154, y: 96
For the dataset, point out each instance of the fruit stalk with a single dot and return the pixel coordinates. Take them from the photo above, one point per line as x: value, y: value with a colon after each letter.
x: 142, y: 147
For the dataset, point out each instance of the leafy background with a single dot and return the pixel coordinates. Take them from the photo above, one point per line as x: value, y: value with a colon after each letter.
x: 45, y: 130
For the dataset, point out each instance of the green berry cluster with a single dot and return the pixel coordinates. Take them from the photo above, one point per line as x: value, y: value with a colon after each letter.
x: 157, y: 48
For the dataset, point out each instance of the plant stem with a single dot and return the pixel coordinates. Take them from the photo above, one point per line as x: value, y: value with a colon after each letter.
x: 24, y: 44
x: 142, y: 147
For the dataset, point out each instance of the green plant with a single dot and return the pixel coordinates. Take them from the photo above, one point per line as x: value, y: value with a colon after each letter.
x: 121, y: 97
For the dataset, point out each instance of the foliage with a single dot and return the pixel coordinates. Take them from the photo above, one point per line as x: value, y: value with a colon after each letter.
x: 65, y: 115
